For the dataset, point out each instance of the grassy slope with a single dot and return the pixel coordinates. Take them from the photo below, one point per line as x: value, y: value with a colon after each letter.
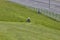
x: 15, y: 12
x: 24, y: 31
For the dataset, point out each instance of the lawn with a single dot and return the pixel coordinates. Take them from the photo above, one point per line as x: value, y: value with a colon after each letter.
x: 27, y: 31
x: 13, y: 25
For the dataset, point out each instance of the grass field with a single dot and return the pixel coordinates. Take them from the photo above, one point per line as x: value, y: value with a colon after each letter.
x: 27, y: 31
x: 13, y: 24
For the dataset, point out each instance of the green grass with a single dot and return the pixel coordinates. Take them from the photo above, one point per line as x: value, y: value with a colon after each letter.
x: 13, y: 24
x: 17, y: 13
x: 27, y: 31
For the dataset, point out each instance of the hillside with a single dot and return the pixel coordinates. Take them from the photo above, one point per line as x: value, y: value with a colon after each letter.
x: 13, y: 25
x: 13, y: 12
